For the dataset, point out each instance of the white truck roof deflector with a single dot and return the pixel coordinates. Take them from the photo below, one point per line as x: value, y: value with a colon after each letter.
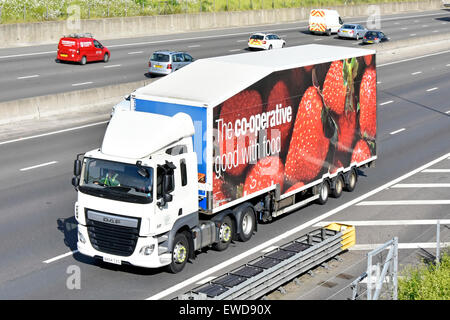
x: 131, y: 134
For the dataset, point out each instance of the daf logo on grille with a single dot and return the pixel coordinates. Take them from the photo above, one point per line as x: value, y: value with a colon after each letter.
x: 111, y: 220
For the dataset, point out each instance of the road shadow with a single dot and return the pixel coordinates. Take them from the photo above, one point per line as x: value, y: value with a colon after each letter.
x: 68, y: 227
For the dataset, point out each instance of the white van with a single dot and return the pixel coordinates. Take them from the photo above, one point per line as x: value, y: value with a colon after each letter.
x: 324, y: 21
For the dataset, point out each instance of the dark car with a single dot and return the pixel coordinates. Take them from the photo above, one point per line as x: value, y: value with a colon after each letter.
x: 374, y: 37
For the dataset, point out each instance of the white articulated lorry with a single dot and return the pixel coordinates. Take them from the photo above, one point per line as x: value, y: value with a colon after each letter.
x: 222, y: 144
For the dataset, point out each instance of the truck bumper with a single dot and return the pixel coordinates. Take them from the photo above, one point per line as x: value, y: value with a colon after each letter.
x: 152, y: 260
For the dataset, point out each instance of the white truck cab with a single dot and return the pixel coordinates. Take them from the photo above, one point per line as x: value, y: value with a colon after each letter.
x: 136, y: 188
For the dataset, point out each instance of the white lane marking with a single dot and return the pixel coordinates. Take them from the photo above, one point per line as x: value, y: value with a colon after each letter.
x: 378, y: 82
x: 39, y: 165
x: 415, y: 58
x: 421, y: 185
x: 448, y: 65
x: 417, y: 72
x: 208, y: 279
x: 26, y: 54
x: 269, y: 249
x: 54, y: 132
x: 318, y: 39
x: 397, y: 131
x: 417, y: 245
x: 387, y: 102
x: 448, y: 112
x: 364, y: 223
x: 403, y: 202
x: 412, y: 35
x: 136, y: 52
x: 234, y: 50
x: 290, y: 232
x: 28, y: 77
x: 436, y: 171
x: 435, y: 31
x: 60, y: 256
x: 246, y: 40
x: 432, y: 89
x: 424, y: 26
x: 194, y: 46
x: 81, y: 84
x: 403, y: 28
x: 113, y: 66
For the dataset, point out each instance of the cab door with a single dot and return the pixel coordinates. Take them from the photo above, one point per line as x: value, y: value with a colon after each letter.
x: 98, y: 50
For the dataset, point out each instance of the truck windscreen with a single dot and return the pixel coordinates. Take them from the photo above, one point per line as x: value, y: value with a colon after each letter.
x: 118, y: 181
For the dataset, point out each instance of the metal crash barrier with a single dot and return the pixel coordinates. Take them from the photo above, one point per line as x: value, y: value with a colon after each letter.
x: 268, y: 272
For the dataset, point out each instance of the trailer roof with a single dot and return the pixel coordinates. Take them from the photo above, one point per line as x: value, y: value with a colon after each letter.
x: 209, y: 82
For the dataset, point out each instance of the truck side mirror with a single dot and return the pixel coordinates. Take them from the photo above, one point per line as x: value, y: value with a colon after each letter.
x: 75, y: 181
x: 77, y: 167
x: 167, y: 197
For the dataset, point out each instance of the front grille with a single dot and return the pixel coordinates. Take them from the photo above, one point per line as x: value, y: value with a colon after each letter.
x: 113, y: 239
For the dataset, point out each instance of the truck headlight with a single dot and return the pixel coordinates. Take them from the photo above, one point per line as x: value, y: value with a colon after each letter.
x: 147, y: 250
x: 81, y: 238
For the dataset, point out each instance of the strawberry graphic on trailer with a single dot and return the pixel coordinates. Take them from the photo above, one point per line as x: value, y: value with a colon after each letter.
x: 243, y: 105
x: 265, y: 173
x: 368, y: 103
x: 308, y: 146
x: 279, y: 96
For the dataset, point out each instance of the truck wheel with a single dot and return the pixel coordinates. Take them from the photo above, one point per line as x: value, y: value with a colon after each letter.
x: 328, y: 32
x: 247, y: 224
x: 180, y: 253
x: 336, y: 192
x: 225, y: 234
x: 351, y: 181
x: 83, y: 61
x: 324, y: 191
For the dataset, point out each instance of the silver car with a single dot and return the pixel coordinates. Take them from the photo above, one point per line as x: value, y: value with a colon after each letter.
x: 352, y: 30
x: 165, y: 62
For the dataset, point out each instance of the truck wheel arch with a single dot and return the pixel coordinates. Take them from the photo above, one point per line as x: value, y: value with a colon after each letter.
x: 184, y: 224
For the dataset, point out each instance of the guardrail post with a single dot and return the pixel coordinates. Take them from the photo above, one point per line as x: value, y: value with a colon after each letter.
x: 438, y: 243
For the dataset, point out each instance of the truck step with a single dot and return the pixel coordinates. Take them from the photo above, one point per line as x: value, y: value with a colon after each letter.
x: 162, y: 250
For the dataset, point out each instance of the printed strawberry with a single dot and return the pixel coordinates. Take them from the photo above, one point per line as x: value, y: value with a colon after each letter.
x: 368, y: 103
x: 368, y: 59
x: 309, y: 146
x: 243, y: 105
x: 334, y: 91
x: 336, y: 165
x: 361, y: 151
x: 346, y: 131
x: 295, y: 186
x: 219, y: 196
x: 279, y: 95
x: 266, y: 172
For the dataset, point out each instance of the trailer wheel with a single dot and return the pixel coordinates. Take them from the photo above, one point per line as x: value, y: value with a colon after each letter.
x: 351, y: 181
x: 225, y: 234
x: 339, y: 184
x: 324, y: 191
x: 247, y: 224
x: 180, y: 253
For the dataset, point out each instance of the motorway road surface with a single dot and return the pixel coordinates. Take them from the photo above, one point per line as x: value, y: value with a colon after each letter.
x: 38, y: 230
x: 32, y: 71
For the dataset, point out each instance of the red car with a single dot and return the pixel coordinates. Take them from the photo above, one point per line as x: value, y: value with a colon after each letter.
x: 82, y: 48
